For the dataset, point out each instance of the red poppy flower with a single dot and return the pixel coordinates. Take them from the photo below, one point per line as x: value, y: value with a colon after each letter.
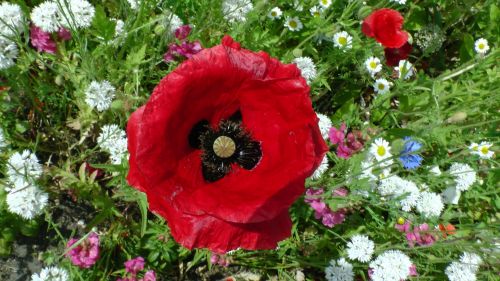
x: 223, y: 147
x: 385, y: 26
x: 394, y: 55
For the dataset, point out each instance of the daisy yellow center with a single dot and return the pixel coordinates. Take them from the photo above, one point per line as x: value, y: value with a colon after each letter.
x: 373, y: 64
x: 381, y: 87
x: 342, y: 40
x: 481, y: 46
x: 316, y: 14
x: 475, y: 148
x: 325, y: 2
x: 274, y: 14
x: 381, y: 150
x: 484, y: 150
x: 224, y: 147
x: 293, y: 24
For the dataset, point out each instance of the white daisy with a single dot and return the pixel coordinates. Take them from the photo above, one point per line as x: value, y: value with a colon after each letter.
x: 339, y: 270
x: 471, y: 259
x: 26, y: 200
x: 51, y: 274
x: 458, y: 271
x: 293, y: 24
x: 429, y: 204
x: 481, y: 46
x: 236, y: 10
x: 381, y: 86
x: 99, y: 95
x: 484, y: 151
x: 451, y: 195
x: 113, y: 140
x: 11, y: 19
x: 360, y: 248
x: 404, y: 69
x: 373, y: 65
x: 307, y: 68
x: 8, y: 53
x: 435, y: 170
x: 77, y: 13
x: 275, y: 13
x: 23, y: 166
x: 474, y: 147
x: 316, y: 11
x: 324, y: 124
x: 325, y: 3
x: 47, y: 16
x: 134, y: 4
x: 380, y: 149
x: 402, y: 2
x: 464, y: 175
x: 321, y: 169
x: 392, y: 265
x: 342, y: 40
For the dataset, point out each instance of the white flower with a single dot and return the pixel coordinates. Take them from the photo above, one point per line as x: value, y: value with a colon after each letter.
x: 173, y: 22
x: 402, y: 2
x: 360, y: 248
x: 325, y: 3
x: 236, y: 10
x: 11, y: 19
x: 324, y: 124
x: 51, y: 274
x: 464, y: 175
x: 474, y: 148
x: 392, y: 265
x: 390, y: 185
x: 481, y: 46
x: 380, y: 149
x: 373, y: 65
x: 26, y: 200
x: 3, y: 143
x: 134, y: 4
x: 409, y: 193
x: 77, y: 13
x: 47, y: 16
x: 381, y: 86
x: 458, y: 271
x: 404, y: 69
x: 472, y: 260
x: 275, y: 13
x: 484, y: 151
x: 321, y: 168
x: 435, y: 170
x: 293, y: 24
x: 342, y: 40
x: 307, y: 68
x: 119, y: 27
x: 451, y: 195
x: 113, y: 140
x: 8, y: 53
x: 99, y: 95
x: 429, y: 204
x: 23, y: 166
x: 316, y: 11
x: 339, y: 270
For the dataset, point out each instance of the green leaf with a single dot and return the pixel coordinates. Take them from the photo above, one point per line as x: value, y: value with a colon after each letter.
x: 142, y: 201
x: 134, y: 59
x: 104, y: 27
x: 467, y: 47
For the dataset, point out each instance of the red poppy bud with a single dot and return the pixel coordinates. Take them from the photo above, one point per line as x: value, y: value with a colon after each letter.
x: 385, y: 25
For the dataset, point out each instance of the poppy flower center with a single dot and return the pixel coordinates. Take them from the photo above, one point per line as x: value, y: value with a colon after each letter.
x: 222, y: 147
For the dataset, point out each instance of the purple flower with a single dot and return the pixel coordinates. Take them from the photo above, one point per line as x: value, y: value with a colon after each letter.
x: 149, y: 276
x: 86, y: 253
x: 41, y: 40
x: 64, y: 34
x: 182, y: 32
x: 133, y: 266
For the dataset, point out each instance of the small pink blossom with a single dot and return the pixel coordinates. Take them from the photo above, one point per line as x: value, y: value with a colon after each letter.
x: 149, y: 276
x: 182, y: 32
x: 405, y: 227
x: 185, y: 49
x: 337, y: 136
x: 86, y: 253
x: 328, y: 217
x: 133, y: 266
x: 413, y: 270
x: 41, y: 40
x: 343, y: 151
x: 64, y: 34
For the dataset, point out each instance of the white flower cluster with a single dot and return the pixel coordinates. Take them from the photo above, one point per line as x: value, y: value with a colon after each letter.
x: 11, y: 22
x: 51, y: 274
x: 236, y: 10
x: 23, y: 196
x: 50, y: 16
x: 339, y: 270
x: 172, y: 22
x: 360, y: 248
x: 113, y: 140
x: 322, y: 168
x: 464, y: 177
x: 99, y: 95
x: 134, y: 4
x: 429, y: 204
x: 8, y: 53
x: 406, y: 190
x: 307, y: 68
x: 465, y: 269
x: 392, y: 265
x: 324, y: 124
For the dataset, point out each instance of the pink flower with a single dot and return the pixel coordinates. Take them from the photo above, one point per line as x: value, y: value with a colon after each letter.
x: 64, y: 34
x: 186, y: 49
x: 337, y: 136
x: 355, y: 141
x: 343, y: 151
x: 41, y: 40
x: 149, y: 276
x: 127, y: 279
x: 413, y: 270
x: 341, y: 192
x: 133, y: 266
x: 405, y: 227
x: 182, y: 32
x: 328, y: 217
x: 86, y: 253
x: 420, y: 234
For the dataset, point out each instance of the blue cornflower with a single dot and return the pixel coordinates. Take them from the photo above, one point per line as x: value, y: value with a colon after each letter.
x: 410, y: 159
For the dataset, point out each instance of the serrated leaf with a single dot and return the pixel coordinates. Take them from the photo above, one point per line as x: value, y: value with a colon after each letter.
x: 104, y: 27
